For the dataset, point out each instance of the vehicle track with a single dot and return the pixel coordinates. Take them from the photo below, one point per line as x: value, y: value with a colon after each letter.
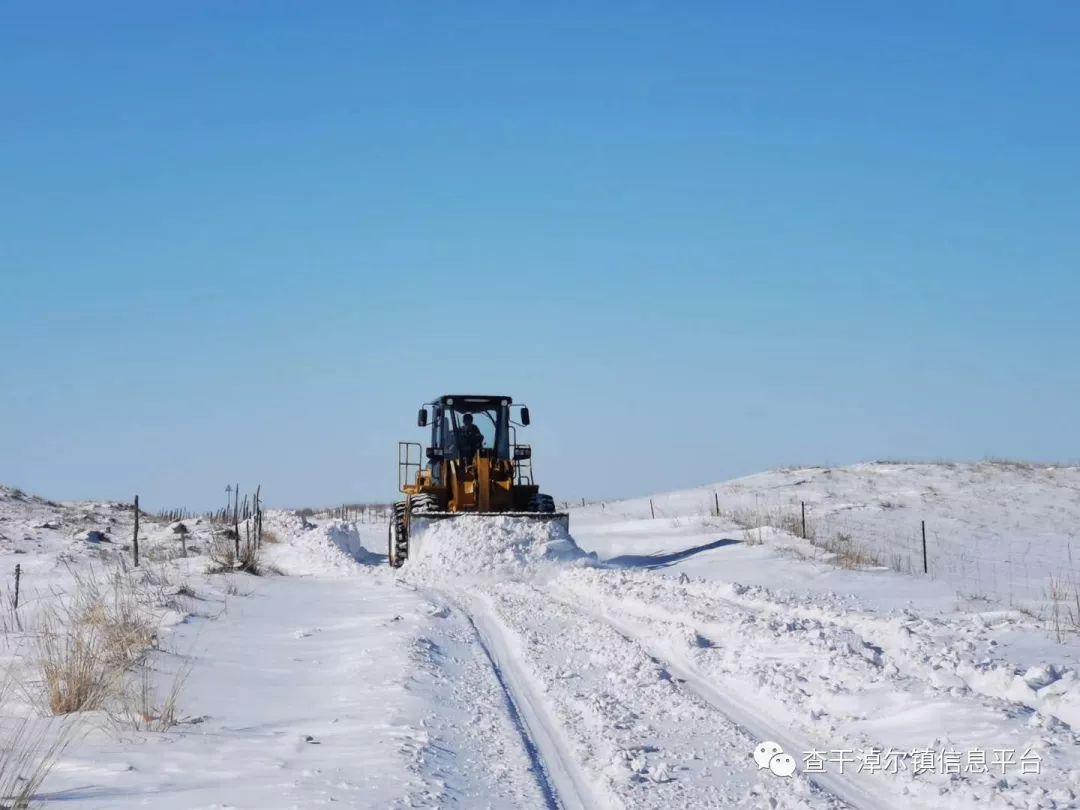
x: 558, y: 776
x: 623, y: 700
x: 849, y: 788
x: 914, y: 658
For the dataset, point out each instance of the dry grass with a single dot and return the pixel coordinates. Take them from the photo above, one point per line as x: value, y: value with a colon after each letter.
x: 76, y: 672
x: 29, y: 748
x: 846, y: 552
x: 270, y: 537
x: 93, y: 637
x: 225, y: 558
x: 28, y: 752
x: 232, y: 588
x: 11, y: 620
x: 222, y: 553
x: 121, y: 611
x: 753, y: 537
x: 902, y: 564
x: 1063, y: 617
x: 249, y: 561
x: 144, y: 710
x: 783, y: 520
x: 88, y: 642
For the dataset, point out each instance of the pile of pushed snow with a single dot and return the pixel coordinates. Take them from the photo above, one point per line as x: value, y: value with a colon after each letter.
x: 491, y: 546
x: 323, y: 547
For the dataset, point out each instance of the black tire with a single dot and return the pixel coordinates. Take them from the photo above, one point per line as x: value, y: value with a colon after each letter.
x: 397, y: 538
x: 542, y: 503
x: 420, y: 504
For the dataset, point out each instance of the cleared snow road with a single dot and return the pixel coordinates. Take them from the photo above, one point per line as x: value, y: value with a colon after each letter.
x: 638, y: 689
x: 852, y: 788
x: 611, y: 724
x: 560, y: 778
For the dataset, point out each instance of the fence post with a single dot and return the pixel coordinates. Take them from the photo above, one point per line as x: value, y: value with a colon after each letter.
x: 925, y: 567
x: 236, y: 521
x: 716, y: 499
x: 18, y: 576
x: 135, y: 540
x: 652, y: 509
x: 803, y: 504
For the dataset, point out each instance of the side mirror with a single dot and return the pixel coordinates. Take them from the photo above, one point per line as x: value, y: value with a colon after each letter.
x: 521, y: 453
x: 421, y: 418
x: 525, y: 416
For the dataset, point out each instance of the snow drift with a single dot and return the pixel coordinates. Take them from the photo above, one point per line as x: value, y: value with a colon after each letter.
x: 329, y: 548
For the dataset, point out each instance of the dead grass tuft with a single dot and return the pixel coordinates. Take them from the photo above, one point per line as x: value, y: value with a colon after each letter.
x: 94, y: 636
x: 844, y: 550
x: 76, y: 669
x: 225, y: 559
x: 28, y: 751
x: 1063, y: 617
x: 847, y: 553
x: 142, y: 708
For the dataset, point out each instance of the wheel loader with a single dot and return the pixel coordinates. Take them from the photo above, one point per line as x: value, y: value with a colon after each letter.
x: 474, y: 465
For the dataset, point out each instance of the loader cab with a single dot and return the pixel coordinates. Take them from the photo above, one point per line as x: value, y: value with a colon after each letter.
x: 490, y: 414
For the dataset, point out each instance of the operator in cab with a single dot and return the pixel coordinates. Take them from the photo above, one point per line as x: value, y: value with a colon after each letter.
x: 471, y: 439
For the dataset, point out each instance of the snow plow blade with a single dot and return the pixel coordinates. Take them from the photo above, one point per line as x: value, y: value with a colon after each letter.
x: 563, y: 516
x: 419, y: 522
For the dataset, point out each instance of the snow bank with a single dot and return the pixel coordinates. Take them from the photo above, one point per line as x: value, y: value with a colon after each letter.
x: 491, y: 546
x: 323, y: 547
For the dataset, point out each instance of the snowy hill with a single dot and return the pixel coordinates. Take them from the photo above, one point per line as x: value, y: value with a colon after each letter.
x: 1001, y: 530
x: 643, y: 661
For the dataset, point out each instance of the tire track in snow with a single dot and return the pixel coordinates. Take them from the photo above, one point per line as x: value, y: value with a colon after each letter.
x: 779, y: 665
x: 848, y: 789
x: 561, y: 782
x: 640, y: 707
x: 926, y: 660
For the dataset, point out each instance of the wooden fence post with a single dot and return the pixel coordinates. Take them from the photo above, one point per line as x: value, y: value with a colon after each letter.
x: 18, y: 576
x: 716, y: 499
x: 236, y: 520
x: 135, y: 540
x: 258, y: 517
x: 925, y: 565
x: 803, y: 503
x: 652, y: 509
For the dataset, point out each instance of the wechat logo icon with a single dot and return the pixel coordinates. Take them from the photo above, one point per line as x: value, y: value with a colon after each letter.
x: 770, y: 755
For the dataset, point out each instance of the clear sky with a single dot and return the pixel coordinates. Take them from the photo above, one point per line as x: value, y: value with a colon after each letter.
x: 244, y: 241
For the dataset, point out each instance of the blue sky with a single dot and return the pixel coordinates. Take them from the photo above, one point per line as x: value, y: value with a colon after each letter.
x: 245, y: 241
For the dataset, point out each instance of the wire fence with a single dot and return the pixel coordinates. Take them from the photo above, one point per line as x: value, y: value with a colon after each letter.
x: 989, y: 552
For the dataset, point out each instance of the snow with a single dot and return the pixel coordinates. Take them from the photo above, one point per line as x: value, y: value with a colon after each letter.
x: 633, y: 662
x: 996, y: 529
x: 493, y: 547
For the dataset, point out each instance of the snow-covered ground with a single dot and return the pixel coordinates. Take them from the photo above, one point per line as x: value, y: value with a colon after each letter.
x: 640, y: 663
x: 996, y: 529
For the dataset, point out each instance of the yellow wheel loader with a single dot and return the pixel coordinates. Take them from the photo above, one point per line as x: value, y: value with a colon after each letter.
x: 474, y: 466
